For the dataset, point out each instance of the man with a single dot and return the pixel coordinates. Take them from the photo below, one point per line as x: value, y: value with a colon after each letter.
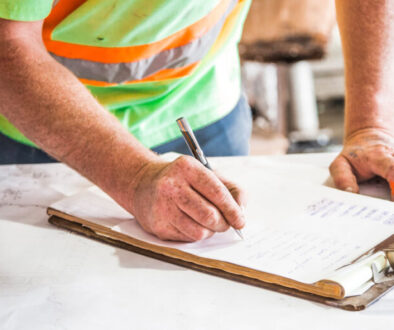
x: 149, y: 63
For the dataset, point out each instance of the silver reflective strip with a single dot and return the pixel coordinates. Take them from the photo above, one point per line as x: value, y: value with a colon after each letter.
x: 168, y: 59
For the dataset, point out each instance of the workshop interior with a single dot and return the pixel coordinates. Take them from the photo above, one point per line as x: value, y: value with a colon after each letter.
x: 293, y: 76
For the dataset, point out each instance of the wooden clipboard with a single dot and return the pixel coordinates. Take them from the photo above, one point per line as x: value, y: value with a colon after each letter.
x: 356, y: 303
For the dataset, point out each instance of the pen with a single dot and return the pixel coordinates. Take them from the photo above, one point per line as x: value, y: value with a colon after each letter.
x: 195, y: 149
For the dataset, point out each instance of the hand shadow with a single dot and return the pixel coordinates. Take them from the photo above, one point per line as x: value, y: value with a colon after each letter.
x: 376, y: 187
x: 130, y: 259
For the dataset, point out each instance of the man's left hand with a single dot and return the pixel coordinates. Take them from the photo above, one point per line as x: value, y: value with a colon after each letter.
x: 366, y: 153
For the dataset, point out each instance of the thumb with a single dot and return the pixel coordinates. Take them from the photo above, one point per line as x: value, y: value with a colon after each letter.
x: 343, y: 176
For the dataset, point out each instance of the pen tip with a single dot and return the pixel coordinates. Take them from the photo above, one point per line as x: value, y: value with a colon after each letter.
x: 239, y: 232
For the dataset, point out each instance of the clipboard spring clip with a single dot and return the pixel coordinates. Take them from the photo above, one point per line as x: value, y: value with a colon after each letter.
x: 386, y: 275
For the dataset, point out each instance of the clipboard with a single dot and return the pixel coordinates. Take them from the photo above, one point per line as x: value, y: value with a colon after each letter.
x: 355, y: 303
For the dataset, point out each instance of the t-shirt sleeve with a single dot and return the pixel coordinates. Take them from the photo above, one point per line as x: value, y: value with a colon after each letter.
x: 25, y: 10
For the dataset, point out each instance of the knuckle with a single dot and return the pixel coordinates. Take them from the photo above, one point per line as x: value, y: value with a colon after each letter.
x: 222, y: 195
x: 183, y: 162
x: 166, y: 184
x: 199, y: 234
x: 209, y: 216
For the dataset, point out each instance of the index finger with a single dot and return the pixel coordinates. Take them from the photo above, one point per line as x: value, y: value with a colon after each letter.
x: 342, y: 174
x: 206, y: 183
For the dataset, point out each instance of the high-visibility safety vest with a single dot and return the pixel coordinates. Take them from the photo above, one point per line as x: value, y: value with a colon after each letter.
x: 148, y: 62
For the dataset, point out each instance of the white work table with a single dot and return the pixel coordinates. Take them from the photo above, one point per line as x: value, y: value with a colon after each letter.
x: 53, y: 279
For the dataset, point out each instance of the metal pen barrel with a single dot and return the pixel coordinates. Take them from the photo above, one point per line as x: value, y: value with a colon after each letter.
x: 195, y: 149
x: 192, y: 142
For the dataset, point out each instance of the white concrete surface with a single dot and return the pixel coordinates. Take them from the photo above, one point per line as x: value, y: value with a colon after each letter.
x: 53, y: 279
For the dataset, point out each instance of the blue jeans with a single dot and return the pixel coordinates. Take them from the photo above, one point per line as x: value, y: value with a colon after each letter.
x: 228, y: 136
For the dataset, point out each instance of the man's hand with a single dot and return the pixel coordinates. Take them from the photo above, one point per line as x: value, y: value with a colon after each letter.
x: 366, y: 153
x: 184, y: 201
x: 368, y: 47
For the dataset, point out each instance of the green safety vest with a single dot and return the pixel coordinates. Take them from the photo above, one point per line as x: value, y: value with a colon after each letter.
x: 147, y: 62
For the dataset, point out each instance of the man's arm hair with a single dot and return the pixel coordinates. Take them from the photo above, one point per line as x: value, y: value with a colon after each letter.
x: 49, y: 105
x: 367, y: 32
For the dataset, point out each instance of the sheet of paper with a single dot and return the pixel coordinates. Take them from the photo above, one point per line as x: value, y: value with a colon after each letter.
x: 304, y: 232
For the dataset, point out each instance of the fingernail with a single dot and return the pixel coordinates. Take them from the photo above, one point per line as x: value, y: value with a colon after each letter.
x: 242, y: 209
x: 349, y: 189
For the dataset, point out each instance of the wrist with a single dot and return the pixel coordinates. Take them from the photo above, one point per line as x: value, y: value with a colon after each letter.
x: 125, y: 173
x: 369, y: 134
x: 368, y: 113
x: 367, y: 129
x: 136, y: 182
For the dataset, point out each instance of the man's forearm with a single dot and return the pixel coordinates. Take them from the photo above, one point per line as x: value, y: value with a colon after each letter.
x: 368, y: 45
x: 180, y: 200
x: 52, y: 108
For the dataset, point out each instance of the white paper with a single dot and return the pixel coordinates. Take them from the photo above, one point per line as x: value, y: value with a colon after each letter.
x: 357, y: 277
x: 303, y: 234
x: 53, y: 279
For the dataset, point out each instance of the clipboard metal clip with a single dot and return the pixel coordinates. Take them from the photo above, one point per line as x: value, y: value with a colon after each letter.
x: 386, y: 275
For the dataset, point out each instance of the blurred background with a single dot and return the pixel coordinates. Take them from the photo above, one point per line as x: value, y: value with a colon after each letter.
x: 293, y: 76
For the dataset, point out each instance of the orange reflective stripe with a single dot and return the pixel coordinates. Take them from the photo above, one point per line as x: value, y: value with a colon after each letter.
x: 164, y: 74
x: 124, y: 54
x: 58, y: 14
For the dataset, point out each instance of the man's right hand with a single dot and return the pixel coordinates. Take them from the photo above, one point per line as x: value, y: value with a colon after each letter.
x: 184, y: 201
